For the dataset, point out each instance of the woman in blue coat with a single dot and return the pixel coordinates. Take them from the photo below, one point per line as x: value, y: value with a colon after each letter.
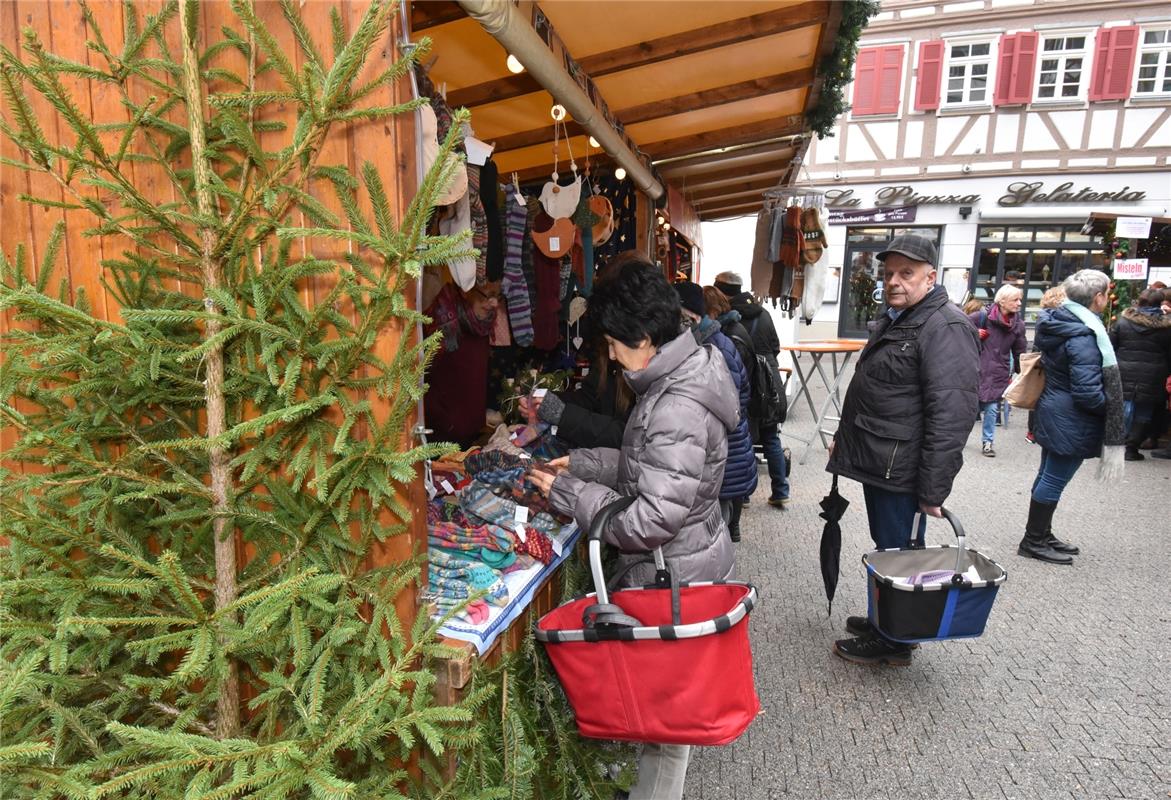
x: 1079, y: 413
x: 740, y: 470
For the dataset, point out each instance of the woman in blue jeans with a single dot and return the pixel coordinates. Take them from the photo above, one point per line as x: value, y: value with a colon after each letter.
x: 1079, y: 413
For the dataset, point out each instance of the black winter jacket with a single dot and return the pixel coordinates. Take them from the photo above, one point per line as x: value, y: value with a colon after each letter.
x: 763, y: 333
x: 591, y: 417
x: 910, y: 405
x: 1142, y: 343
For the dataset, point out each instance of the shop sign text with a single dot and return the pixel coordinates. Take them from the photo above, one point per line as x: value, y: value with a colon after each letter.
x: 1019, y: 193
x: 1130, y: 269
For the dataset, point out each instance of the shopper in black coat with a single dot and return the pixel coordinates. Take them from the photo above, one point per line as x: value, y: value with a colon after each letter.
x: 763, y: 335
x: 593, y: 415
x: 1142, y: 342
x: 906, y: 415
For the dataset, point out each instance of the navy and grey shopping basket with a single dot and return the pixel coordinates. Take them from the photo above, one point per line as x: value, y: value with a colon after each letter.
x: 955, y: 608
x: 668, y: 663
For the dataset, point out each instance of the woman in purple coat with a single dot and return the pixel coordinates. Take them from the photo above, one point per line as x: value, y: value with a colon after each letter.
x: 1002, y: 341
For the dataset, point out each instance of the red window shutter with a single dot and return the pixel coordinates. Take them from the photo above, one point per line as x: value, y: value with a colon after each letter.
x: 866, y: 81
x: 930, y: 76
x: 1114, y: 57
x: 1005, y: 61
x: 1024, y: 67
x: 890, y: 79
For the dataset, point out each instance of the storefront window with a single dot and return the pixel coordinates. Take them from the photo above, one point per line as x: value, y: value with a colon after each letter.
x: 861, y: 284
x: 1034, y: 257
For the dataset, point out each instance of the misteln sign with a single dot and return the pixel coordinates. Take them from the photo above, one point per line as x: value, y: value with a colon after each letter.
x: 1016, y: 194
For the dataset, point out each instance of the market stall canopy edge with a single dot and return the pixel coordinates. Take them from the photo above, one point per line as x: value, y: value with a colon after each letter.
x: 712, y: 97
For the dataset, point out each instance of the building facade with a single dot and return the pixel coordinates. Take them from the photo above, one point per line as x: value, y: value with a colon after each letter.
x: 995, y: 127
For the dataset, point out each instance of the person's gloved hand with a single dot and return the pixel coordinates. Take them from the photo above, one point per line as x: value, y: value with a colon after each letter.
x: 983, y: 334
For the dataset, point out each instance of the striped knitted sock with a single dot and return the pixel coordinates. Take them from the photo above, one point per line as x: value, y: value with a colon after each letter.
x: 515, y: 287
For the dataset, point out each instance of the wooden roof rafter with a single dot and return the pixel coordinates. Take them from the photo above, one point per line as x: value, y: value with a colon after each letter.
x: 713, y: 140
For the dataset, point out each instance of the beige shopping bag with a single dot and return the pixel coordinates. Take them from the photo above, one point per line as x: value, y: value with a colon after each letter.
x: 1026, y: 386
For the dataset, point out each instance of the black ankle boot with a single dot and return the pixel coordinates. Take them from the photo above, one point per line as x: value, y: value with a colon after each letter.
x: 1060, y: 546
x: 1036, y: 541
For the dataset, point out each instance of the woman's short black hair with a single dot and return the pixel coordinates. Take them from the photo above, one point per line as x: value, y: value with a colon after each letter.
x: 635, y: 302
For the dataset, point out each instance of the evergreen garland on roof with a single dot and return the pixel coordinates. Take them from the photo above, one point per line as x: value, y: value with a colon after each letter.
x: 837, y: 69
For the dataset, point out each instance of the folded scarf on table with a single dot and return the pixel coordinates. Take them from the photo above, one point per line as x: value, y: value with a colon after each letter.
x: 474, y: 613
x: 478, y: 502
x: 495, y: 559
x: 484, y: 460
x: 1114, y: 436
x: 443, y: 511
x: 455, y: 479
x: 478, y: 579
x: 503, y: 478
x: 455, y: 537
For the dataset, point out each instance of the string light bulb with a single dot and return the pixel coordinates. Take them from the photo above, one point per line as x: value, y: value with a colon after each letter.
x: 666, y: 226
x: 557, y: 112
x: 594, y: 143
x: 659, y: 219
x: 620, y: 173
x: 514, y: 65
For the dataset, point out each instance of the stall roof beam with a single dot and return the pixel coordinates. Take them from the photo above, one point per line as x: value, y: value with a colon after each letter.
x: 726, y: 137
x: 753, y: 187
x: 730, y: 209
x: 672, y: 106
x: 434, y: 13
x: 506, y: 25
x: 721, y: 34
x: 636, y: 55
x: 773, y: 170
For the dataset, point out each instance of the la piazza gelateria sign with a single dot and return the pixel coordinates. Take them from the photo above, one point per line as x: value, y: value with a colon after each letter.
x: 1017, y: 194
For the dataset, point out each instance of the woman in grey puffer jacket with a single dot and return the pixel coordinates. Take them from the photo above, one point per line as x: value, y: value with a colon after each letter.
x: 672, y: 459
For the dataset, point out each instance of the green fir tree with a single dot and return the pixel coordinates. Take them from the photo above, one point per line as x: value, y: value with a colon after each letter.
x: 138, y: 658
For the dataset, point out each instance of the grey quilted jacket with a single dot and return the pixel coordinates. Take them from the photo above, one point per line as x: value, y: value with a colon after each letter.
x: 672, y: 459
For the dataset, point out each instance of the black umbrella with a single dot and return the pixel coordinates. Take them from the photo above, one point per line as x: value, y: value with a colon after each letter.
x: 833, y: 506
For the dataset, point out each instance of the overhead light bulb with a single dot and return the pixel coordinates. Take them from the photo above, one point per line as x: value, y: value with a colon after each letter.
x: 659, y: 219
x: 594, y: 142
x: 557, y: 112
x: 620, y: 174
x: 666, y: 226
x: 514, y: 65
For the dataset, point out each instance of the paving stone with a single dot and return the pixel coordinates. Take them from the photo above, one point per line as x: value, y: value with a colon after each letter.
x: 1065, y: 696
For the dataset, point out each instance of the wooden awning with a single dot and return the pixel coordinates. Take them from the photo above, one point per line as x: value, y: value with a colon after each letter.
x: 715, y: 94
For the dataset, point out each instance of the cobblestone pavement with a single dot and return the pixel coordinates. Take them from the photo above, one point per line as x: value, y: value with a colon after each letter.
x: 1067, y: 694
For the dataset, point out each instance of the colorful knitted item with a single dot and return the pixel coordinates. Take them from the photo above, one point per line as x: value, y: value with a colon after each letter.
x: 456, y: 537
x: 501, y: 441
x: 473, y: 613
x: 515, y: 286
x: 529, y: 434
x: 479, y: 224
x: 479, y: 579
x: 504, y: 478
x: 485, y: 460
x: 478, y: 502
x: 535, y: 544
x: 444, y: 511
x: 485, y: 555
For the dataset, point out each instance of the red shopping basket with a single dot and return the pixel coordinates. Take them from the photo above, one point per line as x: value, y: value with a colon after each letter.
x: 669, y: 663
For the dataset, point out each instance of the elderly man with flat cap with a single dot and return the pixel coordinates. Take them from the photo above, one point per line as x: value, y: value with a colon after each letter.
x: 907, y: 415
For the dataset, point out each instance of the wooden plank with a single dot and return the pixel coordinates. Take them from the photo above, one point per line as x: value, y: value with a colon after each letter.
x: 670, y: 107
x: 727, y: 190
x: 826, y: 38
x: 721, y: 95
x: 721, y: 34
x: 729, y: 211
x: 493, y: 91
x: 721, y: 158
x: 791, y: 125
x: 698, y: 183
x: 433, y: 13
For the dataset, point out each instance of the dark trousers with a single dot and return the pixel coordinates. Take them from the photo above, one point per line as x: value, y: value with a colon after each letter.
x: 891, y: 516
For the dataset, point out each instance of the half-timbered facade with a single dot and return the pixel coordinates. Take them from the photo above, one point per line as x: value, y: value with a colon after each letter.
x: 995, y: 126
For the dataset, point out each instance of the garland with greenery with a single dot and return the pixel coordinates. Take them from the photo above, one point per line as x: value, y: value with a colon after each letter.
x: 837, y: 69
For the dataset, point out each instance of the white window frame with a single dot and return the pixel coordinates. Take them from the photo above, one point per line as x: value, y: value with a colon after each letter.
x: 990, y: 77
x: 1086, y: 55
x: 1162, y: 66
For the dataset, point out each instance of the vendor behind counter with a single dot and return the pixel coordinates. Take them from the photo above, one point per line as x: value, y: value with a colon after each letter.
x: 457, y: 379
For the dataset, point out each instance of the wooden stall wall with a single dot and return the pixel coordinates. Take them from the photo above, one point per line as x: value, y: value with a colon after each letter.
x: 390, y: 145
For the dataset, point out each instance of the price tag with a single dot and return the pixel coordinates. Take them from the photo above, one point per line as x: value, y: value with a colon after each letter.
x: 522, y: 514
x: 554, y: 242
x: 447, y: 487
x: 585, y: 371
x: 540, y: 392
x: 553, y: 430
x: 557, y: 549
x: 520, y: 531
